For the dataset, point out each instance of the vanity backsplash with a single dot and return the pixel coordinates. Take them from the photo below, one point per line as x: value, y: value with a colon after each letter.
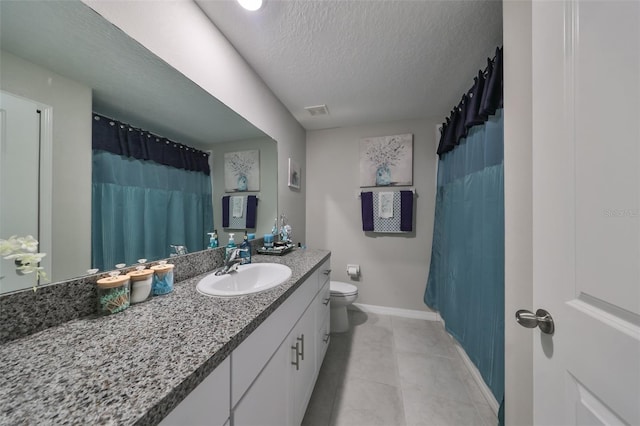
x: 26, y: 312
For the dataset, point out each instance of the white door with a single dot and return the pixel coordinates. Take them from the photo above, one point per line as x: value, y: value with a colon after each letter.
x: 19, y: 175
x: 586, y: 214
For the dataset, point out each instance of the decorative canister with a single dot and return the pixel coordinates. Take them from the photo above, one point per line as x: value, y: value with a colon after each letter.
x: 141, y: 283
x: 162, y: 278
x: 113, y: 294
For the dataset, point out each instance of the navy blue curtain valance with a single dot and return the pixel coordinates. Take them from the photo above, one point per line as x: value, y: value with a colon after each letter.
x: 480, y: 102
x: 122, y: 139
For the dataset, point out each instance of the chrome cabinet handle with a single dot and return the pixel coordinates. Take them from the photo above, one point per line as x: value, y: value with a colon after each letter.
x: 301, y: 339
x: 297, y: 361
x: 540, y: 319
x: 326, y: 271
x: 326, y: 338
x: 325, y: 302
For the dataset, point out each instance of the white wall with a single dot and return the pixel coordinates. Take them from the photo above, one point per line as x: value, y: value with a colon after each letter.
x: 518, y: 210
x: 181, y: 34
x: 394, y: 268
x: 267, y: 196
x: 71, y: 161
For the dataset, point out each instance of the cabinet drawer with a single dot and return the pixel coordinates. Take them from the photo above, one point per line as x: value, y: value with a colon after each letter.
x: 324, y: 273
x: 323, y: 340
x: 322, y: 303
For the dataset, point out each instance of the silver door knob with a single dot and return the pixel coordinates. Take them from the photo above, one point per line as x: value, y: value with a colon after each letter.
x: 540, y: 319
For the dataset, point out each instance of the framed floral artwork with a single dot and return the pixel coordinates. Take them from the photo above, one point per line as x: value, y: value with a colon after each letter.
x: 386, y: 161
x: 242, y: 171
x: 294, y: 174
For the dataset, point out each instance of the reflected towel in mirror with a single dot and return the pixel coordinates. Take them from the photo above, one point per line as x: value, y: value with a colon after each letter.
x: 237, y: 206
x: 249, y: 214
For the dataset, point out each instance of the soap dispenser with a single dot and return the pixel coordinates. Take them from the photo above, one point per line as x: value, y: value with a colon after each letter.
x: 245, y: 254
x: 231, y: 245
x: 213, y: 239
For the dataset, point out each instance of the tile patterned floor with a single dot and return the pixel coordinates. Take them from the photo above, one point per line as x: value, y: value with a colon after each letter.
x: 393, y: 371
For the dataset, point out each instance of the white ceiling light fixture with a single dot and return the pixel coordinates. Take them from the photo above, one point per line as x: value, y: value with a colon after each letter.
x: 251, y: 5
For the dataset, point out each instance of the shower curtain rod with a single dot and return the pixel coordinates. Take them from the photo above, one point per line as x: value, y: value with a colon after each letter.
x: 358, y: 195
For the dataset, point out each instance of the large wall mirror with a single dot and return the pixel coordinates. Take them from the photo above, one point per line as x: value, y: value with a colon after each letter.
x: 64, y: 60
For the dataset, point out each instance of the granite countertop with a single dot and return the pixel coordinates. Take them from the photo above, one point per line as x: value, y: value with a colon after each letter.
x: 134, y: 367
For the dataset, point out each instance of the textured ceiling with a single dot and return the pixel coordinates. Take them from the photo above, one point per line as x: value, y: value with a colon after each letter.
x: 129, y: 82
x: 368, y: 61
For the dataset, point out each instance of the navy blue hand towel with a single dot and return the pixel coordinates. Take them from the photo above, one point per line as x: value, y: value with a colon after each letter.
x: 406, y: 211
x: 252, y: 205
x: 367, y: 210
x: 225, y: 211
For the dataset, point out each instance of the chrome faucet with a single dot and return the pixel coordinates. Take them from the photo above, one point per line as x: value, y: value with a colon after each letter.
x: 231, y: 261
x: 179, y: 250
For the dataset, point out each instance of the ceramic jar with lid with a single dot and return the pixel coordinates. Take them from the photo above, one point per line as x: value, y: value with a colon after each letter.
x: 113, y: 294
x: 162, y: 278
x: 141, y: 284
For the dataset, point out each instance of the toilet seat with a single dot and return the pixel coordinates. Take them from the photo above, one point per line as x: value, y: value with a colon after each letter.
x: 340, y: 289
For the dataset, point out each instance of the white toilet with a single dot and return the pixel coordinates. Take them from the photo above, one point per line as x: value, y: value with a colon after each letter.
x: 342, y: 295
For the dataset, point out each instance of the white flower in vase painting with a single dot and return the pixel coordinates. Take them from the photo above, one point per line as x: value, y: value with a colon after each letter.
x: 242, y: 171
x: 386, y: 161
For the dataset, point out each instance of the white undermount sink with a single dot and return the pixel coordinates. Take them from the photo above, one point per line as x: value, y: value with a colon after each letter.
x: 251, y: 278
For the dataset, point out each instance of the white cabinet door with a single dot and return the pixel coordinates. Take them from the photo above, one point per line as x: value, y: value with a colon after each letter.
x: 251, y: 356
x: 266, y: 403
x: 302, y: 368
x: 208, y: 404
x: 281, y: 391
x: 586, y: 211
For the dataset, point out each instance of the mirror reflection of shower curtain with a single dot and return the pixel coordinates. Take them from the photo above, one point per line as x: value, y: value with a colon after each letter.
x: 148, y: 193
x: 139, y: 208
x: 466, y: 275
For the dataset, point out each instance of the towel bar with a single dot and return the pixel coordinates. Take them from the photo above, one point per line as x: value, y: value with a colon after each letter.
x: 386, y: 189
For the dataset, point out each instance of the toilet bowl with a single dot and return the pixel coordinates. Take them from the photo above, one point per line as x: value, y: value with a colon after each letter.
x: 342, y: 295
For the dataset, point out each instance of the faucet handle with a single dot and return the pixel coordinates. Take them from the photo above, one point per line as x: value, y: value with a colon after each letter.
x: 231, y: 255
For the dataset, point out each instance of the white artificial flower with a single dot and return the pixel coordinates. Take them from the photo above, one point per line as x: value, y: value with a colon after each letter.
x: 23, y: 251
x: 29, y: 244
x: 9, y: 246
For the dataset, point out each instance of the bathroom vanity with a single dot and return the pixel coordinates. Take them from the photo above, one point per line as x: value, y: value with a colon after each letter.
x: 183, y: 358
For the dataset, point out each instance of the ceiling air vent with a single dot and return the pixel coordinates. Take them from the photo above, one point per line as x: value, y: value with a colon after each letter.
x: 317, y: 110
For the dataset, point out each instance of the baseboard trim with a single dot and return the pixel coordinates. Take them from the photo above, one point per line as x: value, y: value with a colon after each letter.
x: 435, y: 316
x: 398, y: 312
x: 475, y: 373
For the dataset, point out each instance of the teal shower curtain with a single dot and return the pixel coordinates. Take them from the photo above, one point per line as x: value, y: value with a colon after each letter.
x: 140, y: 207
x: 466, y: 276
